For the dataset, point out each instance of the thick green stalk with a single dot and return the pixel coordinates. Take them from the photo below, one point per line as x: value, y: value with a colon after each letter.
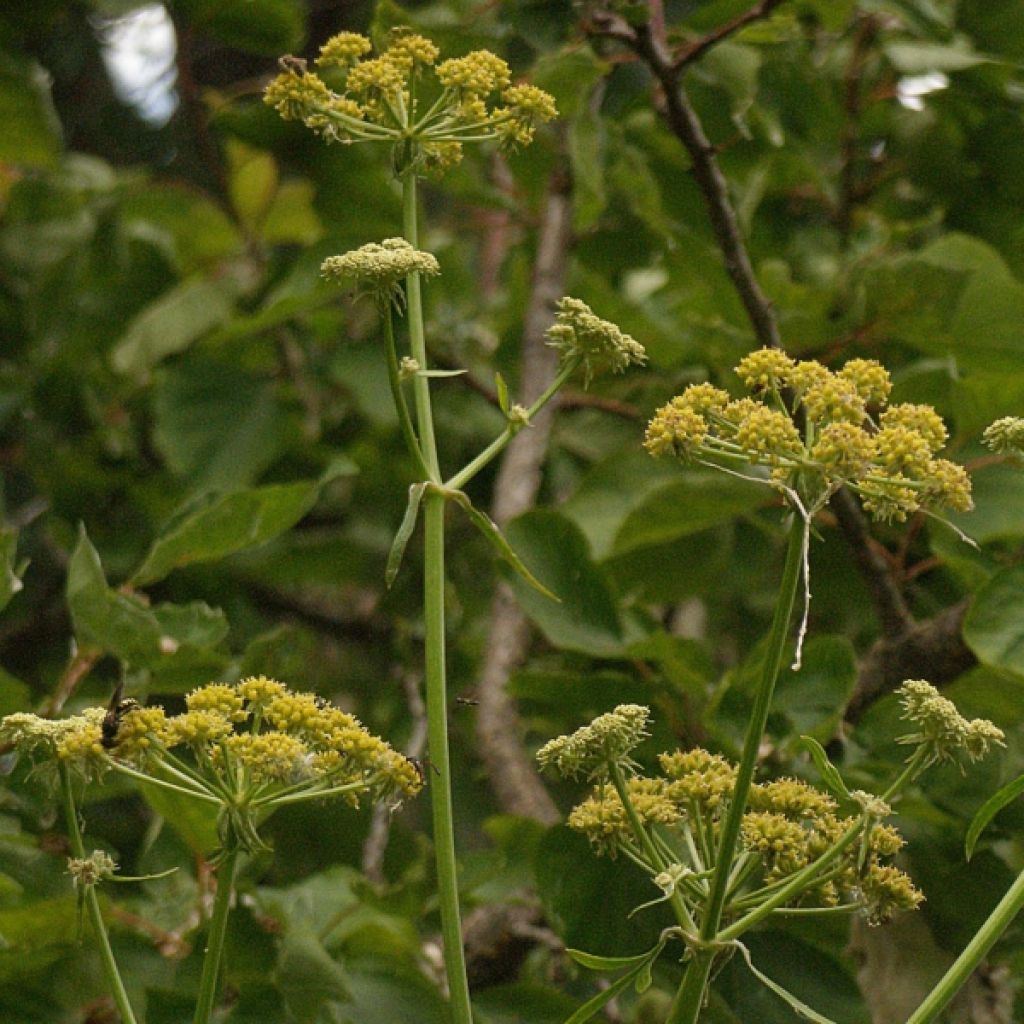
x: 434, y: 627
x: 92, y: 904
x: 967, y: 962
x: 215, y: 938
x: 690, y: 997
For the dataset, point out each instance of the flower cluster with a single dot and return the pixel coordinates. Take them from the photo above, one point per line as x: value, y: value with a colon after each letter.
x: 941, y: 730
x: 597, y: 344
x: 787, y: 826
x: 588, y: 751
x: 425, y: 109
x: 379, y: 267
x: 247, y: 747
x: 1006, y: 435
x: 846, y: 435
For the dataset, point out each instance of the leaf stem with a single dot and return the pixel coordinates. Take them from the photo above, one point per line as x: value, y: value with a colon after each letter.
x: 398, y: 396
x: 92, y: 903
x: 215, y: 938
x: 434, y: 639
x: 497, y: 446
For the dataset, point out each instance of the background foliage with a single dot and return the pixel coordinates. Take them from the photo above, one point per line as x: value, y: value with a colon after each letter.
x: 203, y: 472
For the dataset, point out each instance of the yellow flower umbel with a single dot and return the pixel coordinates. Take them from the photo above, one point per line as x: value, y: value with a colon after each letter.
x: 889, y: 456
x: 424, y: 109
x: 247, y: 748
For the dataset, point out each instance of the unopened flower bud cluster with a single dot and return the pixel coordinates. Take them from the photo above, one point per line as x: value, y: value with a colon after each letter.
x: 888, y: 454
x: 428, y: 110
x: 599, y: 345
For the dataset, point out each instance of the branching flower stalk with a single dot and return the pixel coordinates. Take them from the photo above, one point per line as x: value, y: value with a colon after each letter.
x: 245, y: 749
x: 800, y: 850
x: 426, y: 111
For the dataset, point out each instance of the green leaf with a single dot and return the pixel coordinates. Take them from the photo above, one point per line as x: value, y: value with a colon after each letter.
x: 308, y: 976
x: 593, y: 962
x: 10, y: 583
x: 586, y: 618
x: 826, y: 769
x: 212, y: 526
x: 496, y: 539
x: 405, y: 528
x: 986, y: 327
x: 988, y: 810
x: 590, y: 1008
x: 195, y: 821
x: 994, y: 626
x: 502, y: 388
x: 31, y: 135
x: 688, y: 506
x: 264, y: 27
x: 915, y: 58
x: 172, y: 323
x: 813, y: 699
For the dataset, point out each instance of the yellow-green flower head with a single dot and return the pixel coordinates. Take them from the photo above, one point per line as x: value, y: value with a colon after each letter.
x: 296, y: 95
x: 343, y: 50
x: 380, y: 266
x: 922, y: 420
x: 91, y: 870
x: 258, y: 691
x: 891, y: 464
x: 480, y: 72
x: 675, y: 430
x: 782, y: 843
x: 293, y: 712
x: 698, y: 779
x: 603, y: 819
x: 196, y: 728
x: 765, y: 368
x: 31, y: 734
x: 598, y: 344
x: 140, y: 730
x: 1006, y: 435
x: 80, y: 741
x: 526, y: 108
x: 409, y: 50
x: 768, y: 435
x: 869, y: 378
x: 791, y: 798
x: 218, y: 697
x: 942, y: 730
x: 271, y: 756
x: 885, y: 890
x: 608, y: 739
x: 424, y: 112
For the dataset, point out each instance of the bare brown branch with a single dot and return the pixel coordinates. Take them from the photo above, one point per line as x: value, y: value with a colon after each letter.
x: 696, y: 49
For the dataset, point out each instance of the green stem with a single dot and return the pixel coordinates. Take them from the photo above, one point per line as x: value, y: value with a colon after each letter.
x: 434, y: 640
x: 215, y: 938
x: 398, y: 396
x: 966, y: 963
x: 92, y: 903
x: 497, y: 446
x: 690, y: 997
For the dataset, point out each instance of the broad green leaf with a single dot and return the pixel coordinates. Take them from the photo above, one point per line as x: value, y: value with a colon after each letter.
x: 36, y: 933
x: 163, y: 638
x: 252, y: 182
x: 813, y: 699
x: 586, y: 617
x: 292, y: 218
x: 405, y: 528
x: 172, y: 323
x: 195, y: 821
x: 986, y: 332
x: 10, y: 583
x: 212, y: 526
x: 686, y: 507
x: 384, y: 990
x: 308, y: 977
x: 496, y: 539
x: 797, y: 1005
x: 980, y: 398
x: 587, y: 148
x: 988, y: 810
x: 994, y: 627
x: 998, y: 513
x: 31, y: 135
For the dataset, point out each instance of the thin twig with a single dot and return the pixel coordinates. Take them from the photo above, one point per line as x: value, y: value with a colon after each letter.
x: 696, y: 49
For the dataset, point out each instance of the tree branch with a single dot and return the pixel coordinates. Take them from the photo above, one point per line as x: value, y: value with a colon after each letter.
x: 692, y: 51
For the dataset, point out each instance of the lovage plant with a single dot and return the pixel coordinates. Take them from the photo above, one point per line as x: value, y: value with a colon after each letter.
x: 243, y: 750
x: 725, y: 851
x: 425, y: 111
